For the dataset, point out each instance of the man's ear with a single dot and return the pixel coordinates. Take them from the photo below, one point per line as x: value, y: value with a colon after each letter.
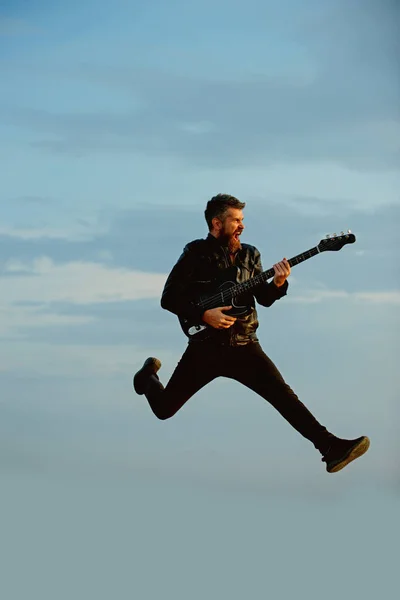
x: 216, y: 223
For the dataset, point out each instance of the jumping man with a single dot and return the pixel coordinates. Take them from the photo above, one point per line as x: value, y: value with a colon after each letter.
x: 233, y: 350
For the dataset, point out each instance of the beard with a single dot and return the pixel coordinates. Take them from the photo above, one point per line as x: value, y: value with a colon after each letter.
x: 233, y: 244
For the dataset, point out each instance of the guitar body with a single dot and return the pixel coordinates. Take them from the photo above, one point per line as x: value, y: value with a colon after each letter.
x: 215, y: 293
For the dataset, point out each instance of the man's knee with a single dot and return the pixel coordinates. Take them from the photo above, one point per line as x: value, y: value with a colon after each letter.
x: 163, y: 415
x: 165, y: 406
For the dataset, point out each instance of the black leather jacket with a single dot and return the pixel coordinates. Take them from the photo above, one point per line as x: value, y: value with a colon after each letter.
x: 201, y: 260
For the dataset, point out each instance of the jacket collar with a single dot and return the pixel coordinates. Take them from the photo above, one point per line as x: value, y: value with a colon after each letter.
x: 216, y: 241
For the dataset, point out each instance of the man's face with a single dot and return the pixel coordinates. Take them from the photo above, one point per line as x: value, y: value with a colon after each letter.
x: 231, y: 228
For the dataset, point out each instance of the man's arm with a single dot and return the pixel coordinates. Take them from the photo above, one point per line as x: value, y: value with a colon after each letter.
x: 267, y: 293
x: 176, y: 293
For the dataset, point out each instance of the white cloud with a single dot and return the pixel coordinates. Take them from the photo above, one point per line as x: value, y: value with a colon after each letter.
x: 378, y: 297
x: 317, y: 295
x: 77, y: 282
x: 364, y: 191
x: 72, y: 234
x: 42, y: 281
x: 80, y: 360
x: 14, y: 318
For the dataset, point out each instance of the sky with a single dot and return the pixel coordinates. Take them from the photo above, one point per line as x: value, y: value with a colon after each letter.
x: 119, y: 120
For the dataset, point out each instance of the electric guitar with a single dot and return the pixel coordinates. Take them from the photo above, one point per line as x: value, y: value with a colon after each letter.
x: 225, y: 291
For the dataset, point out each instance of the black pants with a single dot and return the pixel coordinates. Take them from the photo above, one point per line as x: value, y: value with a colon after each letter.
x: 248, y: 364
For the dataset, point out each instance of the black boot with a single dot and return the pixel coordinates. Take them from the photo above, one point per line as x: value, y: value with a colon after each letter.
x: 342, y: 452
x: 150, y: 367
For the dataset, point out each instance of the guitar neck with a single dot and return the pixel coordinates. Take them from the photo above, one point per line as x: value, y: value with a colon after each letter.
x: 250, y: 284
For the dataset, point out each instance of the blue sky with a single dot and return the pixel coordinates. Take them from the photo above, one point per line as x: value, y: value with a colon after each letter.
x: 119, y: 121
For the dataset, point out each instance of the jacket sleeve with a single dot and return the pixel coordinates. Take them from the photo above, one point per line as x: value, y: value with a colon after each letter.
x: 267, y: 293
x: 176, y: 296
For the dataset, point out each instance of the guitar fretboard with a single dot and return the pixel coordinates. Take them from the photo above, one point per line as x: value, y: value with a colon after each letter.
x: 246, y: 286
x: 241, y: 288
x: 226, y: 295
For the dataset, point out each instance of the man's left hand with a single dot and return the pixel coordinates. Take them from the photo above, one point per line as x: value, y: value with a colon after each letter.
x: 282, y: 272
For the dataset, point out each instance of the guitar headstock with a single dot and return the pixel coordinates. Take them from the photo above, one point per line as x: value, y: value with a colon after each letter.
x: 336, y: 242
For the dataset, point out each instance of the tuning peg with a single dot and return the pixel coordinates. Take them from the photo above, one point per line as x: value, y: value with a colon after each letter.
x: 342, y: 233
x: 334, y: 235
x: 327, y: 236
x: 349, y: 231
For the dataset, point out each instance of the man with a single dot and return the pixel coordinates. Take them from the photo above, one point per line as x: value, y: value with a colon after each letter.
x: 233, y: 350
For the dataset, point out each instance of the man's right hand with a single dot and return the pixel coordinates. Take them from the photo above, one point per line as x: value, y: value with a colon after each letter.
x: 218, y: 319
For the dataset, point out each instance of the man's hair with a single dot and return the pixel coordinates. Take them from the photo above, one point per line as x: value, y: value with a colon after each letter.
x: 218, y: 206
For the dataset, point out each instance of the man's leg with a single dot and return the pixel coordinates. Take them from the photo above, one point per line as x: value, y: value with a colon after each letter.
x: 254, y: 369
x: 198, y: 366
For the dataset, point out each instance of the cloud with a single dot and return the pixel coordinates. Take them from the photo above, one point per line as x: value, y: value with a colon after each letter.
x: 44, y: 281
x: 344, y: 111
x: 32, y: 356
x: 105, y: 290
x: 16, y: 320
x: 314, y: 296
x: 74, y: 360
x: 150, y: 240
x: 378, y: 297
x: 38, y: 291
x: 47, y: 233
x: 97, y: 304
x: 78, y: 282
x: 264, y: 123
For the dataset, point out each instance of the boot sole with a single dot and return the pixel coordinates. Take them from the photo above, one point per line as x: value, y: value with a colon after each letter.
x: 354, y: 453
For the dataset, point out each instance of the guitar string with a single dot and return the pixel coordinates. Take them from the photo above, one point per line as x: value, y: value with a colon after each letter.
x: 211, y: 301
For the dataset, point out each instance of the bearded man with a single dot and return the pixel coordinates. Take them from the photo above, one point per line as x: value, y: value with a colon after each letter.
x: 233, y: 349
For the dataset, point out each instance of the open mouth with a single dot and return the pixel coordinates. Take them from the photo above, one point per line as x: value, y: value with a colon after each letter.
x: 237, y: 235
